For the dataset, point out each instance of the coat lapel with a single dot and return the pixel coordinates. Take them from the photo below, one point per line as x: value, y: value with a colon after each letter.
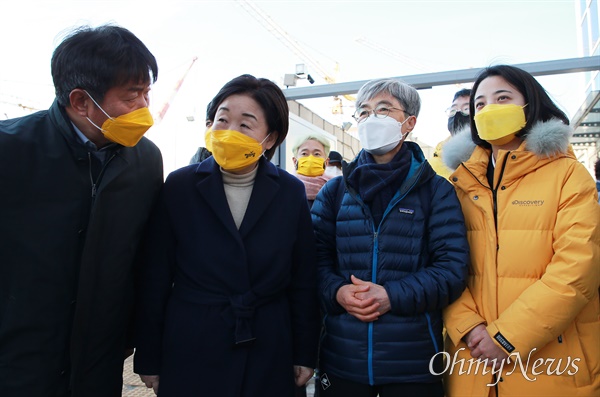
x: 116, y: 164
x: 210, y: 187
x: 264, y: 191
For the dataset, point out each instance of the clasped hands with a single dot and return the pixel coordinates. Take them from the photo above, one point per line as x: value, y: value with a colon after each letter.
x: 363, y: 299
x: 482, y: 346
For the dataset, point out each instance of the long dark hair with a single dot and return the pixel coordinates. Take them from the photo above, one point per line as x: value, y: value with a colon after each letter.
x: 539, y: 105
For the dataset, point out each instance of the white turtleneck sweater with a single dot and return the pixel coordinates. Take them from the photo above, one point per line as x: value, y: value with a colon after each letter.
x: 238, y: 189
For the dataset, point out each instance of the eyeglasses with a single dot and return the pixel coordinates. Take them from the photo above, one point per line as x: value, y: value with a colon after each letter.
x: 452, y: 111
x: 381, y: 112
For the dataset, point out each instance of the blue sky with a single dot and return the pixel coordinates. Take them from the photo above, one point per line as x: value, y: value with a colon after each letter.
x: 228, y: 41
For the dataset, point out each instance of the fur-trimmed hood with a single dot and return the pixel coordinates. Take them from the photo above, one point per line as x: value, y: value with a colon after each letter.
x: 546, y: 139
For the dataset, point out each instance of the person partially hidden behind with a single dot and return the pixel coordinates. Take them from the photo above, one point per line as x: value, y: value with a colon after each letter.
x: 597, y: 170
x: 335, y: 164
x: 458, y: 120
x: 78, y: 183
x: 202, y: 153
x: 310, y: 160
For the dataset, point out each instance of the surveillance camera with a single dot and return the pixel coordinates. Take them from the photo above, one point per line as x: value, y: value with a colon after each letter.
x: 300, y: 69
x: 310, y: 79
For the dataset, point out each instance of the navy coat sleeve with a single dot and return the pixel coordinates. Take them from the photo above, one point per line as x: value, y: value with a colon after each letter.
x: 324, y: 215
x: 302, y: 293
x: 443, y: 279
x: 155, y: 280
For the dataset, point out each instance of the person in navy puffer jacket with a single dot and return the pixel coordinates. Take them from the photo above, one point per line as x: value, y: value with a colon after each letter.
x: 392, y: 253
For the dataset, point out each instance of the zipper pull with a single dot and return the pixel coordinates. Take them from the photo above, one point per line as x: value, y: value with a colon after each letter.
x: 93, y: 190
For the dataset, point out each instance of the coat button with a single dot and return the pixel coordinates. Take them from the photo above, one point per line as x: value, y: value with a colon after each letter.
x: 454, y: 179
x: 503, y: 188
x: 514, y: 157
x: 476, y: 198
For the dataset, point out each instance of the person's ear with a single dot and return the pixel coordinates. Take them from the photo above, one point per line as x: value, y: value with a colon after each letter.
x: 80, y: 102
x: 410, y: 123
x: 270, y: 142
x: 326, y: 163
x: 295, y: 161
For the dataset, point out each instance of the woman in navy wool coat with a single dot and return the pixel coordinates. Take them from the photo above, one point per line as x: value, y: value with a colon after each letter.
x: 392, y: 253
x: 227, y: 300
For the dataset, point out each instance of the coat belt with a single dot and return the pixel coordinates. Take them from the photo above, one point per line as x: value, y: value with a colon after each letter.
x: 242, y: 308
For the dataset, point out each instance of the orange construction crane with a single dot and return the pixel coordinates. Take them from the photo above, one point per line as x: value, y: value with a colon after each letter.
x: 167, y: 104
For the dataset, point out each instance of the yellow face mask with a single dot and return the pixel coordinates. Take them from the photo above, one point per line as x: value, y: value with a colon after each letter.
x: 233, y: 150
x: 311, y: 166
x: 127, y: 129
x: 498, y: 124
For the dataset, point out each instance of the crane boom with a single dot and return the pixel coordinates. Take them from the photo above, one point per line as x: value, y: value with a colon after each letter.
x: 22, y: 106
x: 167, y: 104
x: 403, y: 58
x: 289, y: 42
x: 284, y: 37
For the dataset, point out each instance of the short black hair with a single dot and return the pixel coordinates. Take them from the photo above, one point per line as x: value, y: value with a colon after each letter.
x: 539, y: 108
x: 464, y: 92
x: 597, y: 169
x: 98, y: 59
x: 267, y: 94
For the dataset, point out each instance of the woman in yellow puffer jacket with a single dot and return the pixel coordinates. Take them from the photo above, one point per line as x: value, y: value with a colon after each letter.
x: 531, y: 308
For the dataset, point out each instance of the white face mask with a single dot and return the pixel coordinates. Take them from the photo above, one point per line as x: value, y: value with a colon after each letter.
x: 380, y: 135
x: 332, y: 171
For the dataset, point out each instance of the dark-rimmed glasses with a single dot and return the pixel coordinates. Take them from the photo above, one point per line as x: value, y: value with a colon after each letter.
x: 381, y: 112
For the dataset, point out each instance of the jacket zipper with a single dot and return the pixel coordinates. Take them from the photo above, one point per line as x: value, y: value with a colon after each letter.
x: 495, y: 191
x: 374, y: 266
x: 431, y: 333
x: 91, y: 176
x: 370, y: 326
x: 95, y: 183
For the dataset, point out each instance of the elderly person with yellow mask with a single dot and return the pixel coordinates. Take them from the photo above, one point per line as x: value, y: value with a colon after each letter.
x: 310, y: 159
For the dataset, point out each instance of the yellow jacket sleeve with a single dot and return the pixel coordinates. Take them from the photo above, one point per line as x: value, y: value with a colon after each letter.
x: 461, y: 316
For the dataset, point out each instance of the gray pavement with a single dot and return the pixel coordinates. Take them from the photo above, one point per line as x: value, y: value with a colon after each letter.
x: 133, y: 386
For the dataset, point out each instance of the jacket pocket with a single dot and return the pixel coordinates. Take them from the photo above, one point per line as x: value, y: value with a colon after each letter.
x: 588, y: 335
x: 574, y: 341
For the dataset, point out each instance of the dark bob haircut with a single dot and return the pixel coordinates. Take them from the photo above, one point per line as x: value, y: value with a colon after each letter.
x: 98, y: 59
x: 540, y: 107
x: 267, y: 95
